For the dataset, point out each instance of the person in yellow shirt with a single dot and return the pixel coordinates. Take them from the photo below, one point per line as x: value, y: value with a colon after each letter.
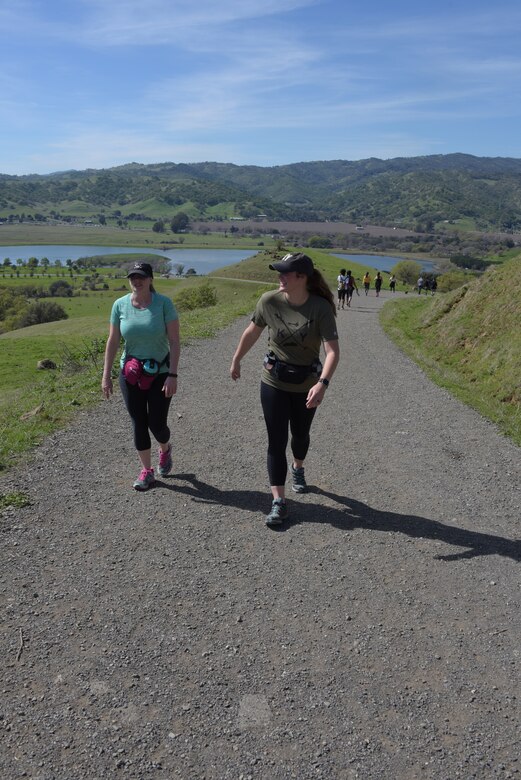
x: 367, y: 282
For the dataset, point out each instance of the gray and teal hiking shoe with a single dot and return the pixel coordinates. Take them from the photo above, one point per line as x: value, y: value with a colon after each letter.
x: 278, y: 513
x: 165, y: 461
x: 299, y: 484
x: 145, y: 480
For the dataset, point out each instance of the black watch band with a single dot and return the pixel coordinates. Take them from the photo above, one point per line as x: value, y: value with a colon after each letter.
x: 325, y: 382
x: 174, y: 375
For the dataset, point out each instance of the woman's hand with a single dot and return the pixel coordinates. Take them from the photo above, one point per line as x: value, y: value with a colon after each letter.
x: 107, y: 387
x: 170, y: 386
x: 315, y: 395
x: 246, y: 342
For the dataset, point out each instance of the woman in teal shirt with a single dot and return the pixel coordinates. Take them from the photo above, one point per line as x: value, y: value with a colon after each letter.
x: 149, y: 326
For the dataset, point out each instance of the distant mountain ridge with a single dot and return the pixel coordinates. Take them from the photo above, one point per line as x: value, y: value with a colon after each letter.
x: 412, y: 192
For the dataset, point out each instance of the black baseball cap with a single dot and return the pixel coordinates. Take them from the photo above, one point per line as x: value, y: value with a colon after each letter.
x: 141, y: 269
x: 298, y: 262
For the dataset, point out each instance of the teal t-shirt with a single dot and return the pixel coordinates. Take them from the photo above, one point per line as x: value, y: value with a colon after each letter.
x: 144, y: 330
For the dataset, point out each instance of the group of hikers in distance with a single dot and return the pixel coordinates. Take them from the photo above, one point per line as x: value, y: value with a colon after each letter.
x: 427, y: 284
x: 346, y: 286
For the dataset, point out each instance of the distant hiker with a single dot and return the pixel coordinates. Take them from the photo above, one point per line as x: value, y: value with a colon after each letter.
x: 392, y: 282
x: 350, y: 286
x: 378, y: 283
x: 149, y: 325
x: 367, y: 282
x: 341, y: 287
x: 420, y: 284
x: 433, y: 286
x: 300, y: 317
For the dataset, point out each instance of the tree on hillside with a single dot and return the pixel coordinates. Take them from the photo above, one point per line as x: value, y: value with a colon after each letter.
x: 61, y: 288
x: 320, y: 242
x: 467, y: 261
x: 453, y: 279
x: 158, y: 227
x: 407, y: 271
x: 179, y: 222
x: 42, y: 311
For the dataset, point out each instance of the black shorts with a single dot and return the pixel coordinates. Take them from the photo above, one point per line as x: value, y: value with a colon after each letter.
x: 341, y: 294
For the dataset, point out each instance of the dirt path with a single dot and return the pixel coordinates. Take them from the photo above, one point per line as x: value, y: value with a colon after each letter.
x: 171, y: 634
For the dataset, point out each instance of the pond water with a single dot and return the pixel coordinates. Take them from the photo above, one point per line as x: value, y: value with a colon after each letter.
x: 201, y: 260
x: 382, y: 262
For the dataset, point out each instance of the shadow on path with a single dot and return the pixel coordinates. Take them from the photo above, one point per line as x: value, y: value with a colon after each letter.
x: 352, y: 514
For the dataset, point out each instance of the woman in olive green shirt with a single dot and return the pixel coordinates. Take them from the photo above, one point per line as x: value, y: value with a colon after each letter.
x: 300, y: 317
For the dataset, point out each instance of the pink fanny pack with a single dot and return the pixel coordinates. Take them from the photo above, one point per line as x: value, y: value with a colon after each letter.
x: 134, y: 374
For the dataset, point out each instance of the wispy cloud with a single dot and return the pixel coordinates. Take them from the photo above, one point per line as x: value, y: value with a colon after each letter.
x: 128, y: 22
x: 239, y: 80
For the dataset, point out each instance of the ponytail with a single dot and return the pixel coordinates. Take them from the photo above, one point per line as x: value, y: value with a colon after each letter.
x: 317, y: 285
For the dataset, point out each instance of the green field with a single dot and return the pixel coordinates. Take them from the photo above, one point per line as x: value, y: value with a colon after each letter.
x: 137, y: 236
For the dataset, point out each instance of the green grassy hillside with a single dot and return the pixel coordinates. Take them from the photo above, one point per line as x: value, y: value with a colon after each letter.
x: 418, y: 192
x: 469, y: 341
x: 257, y: 267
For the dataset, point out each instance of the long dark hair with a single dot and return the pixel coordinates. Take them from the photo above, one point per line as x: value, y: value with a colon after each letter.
x: 317, y: 285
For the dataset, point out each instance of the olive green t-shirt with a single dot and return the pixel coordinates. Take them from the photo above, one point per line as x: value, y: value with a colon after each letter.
x: 295, y: 333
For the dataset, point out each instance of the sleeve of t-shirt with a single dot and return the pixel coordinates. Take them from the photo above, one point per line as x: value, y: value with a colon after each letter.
x: 328, y: 329
x: 258, y: 315
x: 169, y: 310
x: 115, y: 317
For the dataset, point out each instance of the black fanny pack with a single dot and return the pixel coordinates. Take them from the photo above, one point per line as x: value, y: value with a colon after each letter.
x: 289, y: 372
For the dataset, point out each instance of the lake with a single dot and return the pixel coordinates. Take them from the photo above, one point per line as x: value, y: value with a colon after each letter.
x: 201, y: 260
x: 382, y: 262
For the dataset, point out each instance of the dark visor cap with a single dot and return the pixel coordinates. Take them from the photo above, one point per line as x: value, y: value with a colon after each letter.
x: 141, y: 269
x: 300, y: 263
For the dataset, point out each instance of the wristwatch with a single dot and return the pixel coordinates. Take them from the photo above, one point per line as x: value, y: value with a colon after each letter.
x: 325, y: 382
x: 174, y: 375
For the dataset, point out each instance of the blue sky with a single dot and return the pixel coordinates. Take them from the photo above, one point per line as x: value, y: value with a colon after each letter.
x: 92, y: 84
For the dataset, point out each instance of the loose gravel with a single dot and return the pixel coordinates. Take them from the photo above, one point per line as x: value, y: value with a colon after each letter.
x: 172, y: 634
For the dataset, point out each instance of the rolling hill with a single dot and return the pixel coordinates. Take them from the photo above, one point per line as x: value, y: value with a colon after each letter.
x: 415, y: 193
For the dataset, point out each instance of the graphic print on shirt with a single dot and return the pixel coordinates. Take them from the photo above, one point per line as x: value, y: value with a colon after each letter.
x: 291, y: 334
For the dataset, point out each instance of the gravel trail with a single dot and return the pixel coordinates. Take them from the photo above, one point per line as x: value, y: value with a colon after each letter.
x: 172, y: 634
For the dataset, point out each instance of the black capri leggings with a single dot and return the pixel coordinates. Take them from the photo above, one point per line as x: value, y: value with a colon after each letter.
x: 280, y: 409
x: 148, y: 410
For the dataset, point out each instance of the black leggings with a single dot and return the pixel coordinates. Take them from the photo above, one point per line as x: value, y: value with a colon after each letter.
x: 280, y: 409
x: 148, y: 410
